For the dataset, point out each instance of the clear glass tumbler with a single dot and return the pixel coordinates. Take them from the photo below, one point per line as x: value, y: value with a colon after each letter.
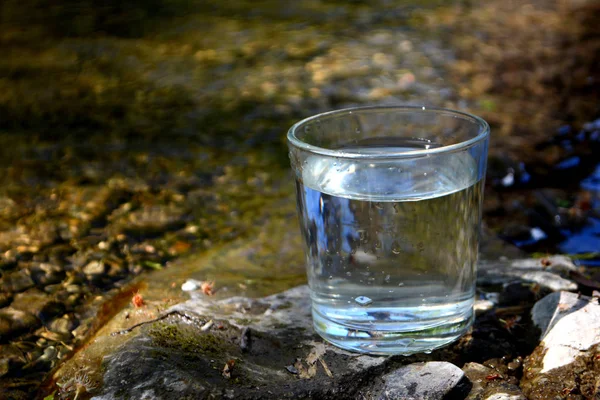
x: 389, y: 200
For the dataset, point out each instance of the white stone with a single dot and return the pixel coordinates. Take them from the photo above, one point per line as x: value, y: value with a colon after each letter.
x: 190, y: 285
x: 570, y: 325
x: 482, y: 306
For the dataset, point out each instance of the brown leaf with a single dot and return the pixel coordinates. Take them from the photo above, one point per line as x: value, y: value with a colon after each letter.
x: 228, y: 369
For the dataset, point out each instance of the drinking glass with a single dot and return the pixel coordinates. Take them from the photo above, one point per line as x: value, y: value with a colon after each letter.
x: 389, y: 200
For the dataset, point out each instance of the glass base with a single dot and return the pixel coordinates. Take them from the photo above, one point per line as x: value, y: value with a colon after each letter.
x: 391, y: 342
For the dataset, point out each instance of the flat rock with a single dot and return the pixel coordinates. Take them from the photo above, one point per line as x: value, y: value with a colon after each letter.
x: 265, y: 348
x: 566, y: 359
x: 432, y: 380
x: 235, y: 348
x: 549, y: 274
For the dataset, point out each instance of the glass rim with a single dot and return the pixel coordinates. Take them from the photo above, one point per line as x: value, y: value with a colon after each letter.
x: 484, y: 132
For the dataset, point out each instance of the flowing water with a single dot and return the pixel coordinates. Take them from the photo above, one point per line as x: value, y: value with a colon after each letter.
x: 391, y: 248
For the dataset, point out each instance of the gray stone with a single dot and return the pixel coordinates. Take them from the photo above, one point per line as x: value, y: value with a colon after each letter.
x: 550, y: 275
x: 284, y: 358
x: 422, y: 381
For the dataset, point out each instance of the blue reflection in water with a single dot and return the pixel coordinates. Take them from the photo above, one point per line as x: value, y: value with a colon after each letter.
x: 330, y: 226
x: 587, y: 239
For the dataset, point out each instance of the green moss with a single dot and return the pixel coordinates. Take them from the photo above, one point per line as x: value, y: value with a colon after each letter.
x: 285, y: 306
x: 188, y: 340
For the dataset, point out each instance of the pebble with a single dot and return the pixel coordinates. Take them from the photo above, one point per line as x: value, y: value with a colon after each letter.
x: 10, y: 355
x: 46, y: 274
x: 13, y: 321
x: 62, y: 325
x: 481, y: 306
x: 35, y: 302
x: 49, y: 354
x: 190, y: 285
x: 16, y: 281
x: 94, y: 268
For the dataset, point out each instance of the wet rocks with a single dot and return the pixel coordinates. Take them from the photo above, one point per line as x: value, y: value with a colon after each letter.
x: 10, y: 355
x: 13, y: 321
x: 37, y: 303
x: 16, y: 281
x: 567, y: 360
x: 27, y: 311
x: 152, y: 220
x: 44, y: 274
x: 432, y: 380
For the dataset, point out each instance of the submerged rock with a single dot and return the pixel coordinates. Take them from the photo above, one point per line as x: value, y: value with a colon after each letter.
x: 567, y: 360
